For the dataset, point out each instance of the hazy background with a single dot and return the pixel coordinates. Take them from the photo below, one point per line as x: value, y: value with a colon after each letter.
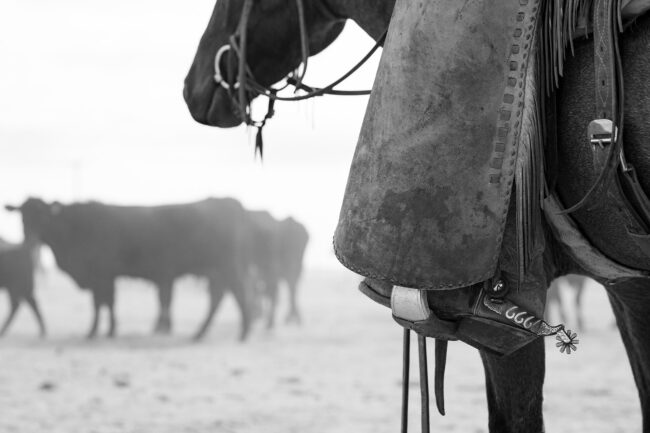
x: 91, y: 107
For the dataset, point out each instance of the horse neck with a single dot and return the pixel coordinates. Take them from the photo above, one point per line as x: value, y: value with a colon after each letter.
x: 372, y: 16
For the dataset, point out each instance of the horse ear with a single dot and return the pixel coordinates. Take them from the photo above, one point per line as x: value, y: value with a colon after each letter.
x: 12, y: 208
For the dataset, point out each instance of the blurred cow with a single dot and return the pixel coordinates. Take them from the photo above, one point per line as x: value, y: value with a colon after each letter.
x: 95, y: 243
x: 17, y: 264
x: 277, y: 256
x: 576, y: 283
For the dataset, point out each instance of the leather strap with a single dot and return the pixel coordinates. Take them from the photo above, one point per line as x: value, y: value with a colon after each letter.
x: 406, y: 361
x: 604, y: 52
x: 625, y: 190
x: 606, y: 131
x: 628, y: 197
x: 424, y: 383
x: 637, y: 198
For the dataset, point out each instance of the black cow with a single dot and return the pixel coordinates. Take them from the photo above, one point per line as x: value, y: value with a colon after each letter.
x: 277, y: 256
x: 95, y: 243
x: 17, y: 263
x: 293, y: 242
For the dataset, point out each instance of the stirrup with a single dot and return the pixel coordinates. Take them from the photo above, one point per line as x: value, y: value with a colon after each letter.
x: 411, y: 310
x: 492, y: 314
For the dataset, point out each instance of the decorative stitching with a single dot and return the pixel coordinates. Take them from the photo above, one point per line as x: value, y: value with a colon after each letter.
x: 600, y: 72
x: 525, y: 13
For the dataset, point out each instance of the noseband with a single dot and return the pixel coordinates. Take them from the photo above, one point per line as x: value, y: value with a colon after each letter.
x: 246, y: 84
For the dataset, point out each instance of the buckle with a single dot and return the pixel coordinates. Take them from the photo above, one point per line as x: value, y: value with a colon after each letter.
x: 602, y: 132
x: 624, y: 166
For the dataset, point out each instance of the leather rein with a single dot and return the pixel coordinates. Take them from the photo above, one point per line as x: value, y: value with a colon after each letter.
x: 246, y: 86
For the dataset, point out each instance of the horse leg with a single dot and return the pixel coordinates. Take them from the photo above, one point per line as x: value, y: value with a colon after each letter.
x: 31, y: 301
x: 97, y: 304
x: 514, y: 389
x: 164, y: 323
x: 13, y: 305
x: 631, y: 304
x: 216, y: 292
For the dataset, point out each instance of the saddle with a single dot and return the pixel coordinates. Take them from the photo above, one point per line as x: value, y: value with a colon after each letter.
x: 448, y: 177
x: 450, y: 158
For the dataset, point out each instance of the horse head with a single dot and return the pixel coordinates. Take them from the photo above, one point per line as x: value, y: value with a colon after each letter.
x: 274, y: 49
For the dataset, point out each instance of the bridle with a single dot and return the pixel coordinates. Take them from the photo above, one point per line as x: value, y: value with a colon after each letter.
x: 246, y: 84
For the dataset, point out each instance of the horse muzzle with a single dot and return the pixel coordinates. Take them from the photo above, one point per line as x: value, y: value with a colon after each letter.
x: 208, y: 102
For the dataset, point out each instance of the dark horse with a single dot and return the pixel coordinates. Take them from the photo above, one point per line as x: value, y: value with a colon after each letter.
x: 514, y: 383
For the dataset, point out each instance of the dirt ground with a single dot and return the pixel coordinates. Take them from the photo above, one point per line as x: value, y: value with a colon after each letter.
x: 339, y: 372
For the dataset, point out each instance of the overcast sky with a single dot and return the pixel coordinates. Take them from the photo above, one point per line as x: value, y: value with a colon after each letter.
x: 91, y: 107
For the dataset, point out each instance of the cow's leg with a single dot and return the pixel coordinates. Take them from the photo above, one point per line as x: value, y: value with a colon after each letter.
x: 514, y: 389
x: 109, y: 301
x: 31, y: 301
x: 551, y: 300
x: 631, y: 304
x: 14, y: 302
x: 256, y: 292
x: 272, y: 293
x: 294, y: 314
x: 216, y: 292
x: 97, y: 304
x: 579, y: 320
x: 239, y: 292
x: 165, y: 292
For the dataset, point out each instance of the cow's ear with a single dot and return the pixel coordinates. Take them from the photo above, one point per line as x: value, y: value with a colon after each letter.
x: 55, y: 208
x: 12, y: 208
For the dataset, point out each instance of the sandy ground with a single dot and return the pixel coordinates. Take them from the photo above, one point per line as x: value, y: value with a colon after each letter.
x: 339, y: 372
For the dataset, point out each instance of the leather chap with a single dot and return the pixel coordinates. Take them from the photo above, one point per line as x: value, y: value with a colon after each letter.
x: 430, y: 183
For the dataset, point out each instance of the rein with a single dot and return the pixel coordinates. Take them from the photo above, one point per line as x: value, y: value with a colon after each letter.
x: 247, y: 85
